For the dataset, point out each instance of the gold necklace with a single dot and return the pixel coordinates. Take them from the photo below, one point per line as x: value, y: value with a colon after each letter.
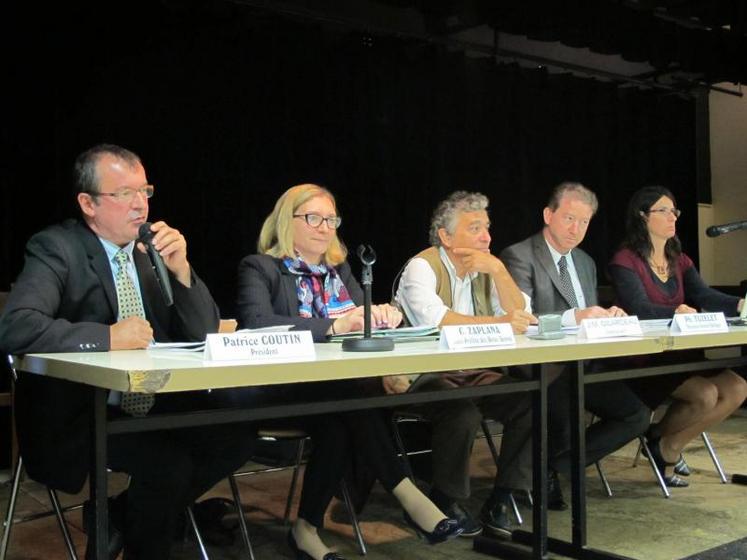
x: 661, y: 270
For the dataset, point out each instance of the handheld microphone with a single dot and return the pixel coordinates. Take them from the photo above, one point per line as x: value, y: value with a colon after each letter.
x: 715, y: 231
x: 156, y: 260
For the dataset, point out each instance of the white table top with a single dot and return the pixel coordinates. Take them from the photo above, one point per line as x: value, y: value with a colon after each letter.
x: 172, y: 370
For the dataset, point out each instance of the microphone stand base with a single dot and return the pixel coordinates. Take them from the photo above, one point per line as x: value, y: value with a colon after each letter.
x: 367, y: 345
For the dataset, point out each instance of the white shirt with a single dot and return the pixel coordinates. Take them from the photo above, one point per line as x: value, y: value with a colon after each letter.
x: 417, y: 295
x: 569, y: 316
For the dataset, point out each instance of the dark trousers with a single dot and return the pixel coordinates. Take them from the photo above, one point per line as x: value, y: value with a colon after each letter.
x: 169, y: 470
x: 338, y: 440
x: 621, y: 417
x: 455, y: 425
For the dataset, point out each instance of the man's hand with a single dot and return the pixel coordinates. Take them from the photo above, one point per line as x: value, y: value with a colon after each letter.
x: 520, y: 320
x: 395, y: 384
x: 132, y: 333
x: 596, y: 312
x: 475, y: 260
x: 172, y: 246
x: 683, y: 308
x: 385, y: 316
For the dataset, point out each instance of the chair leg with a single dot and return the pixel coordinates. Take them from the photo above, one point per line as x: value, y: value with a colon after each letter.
x: 603, y: 477
x: 714, y: 457
x: 240, y: 512
x: 401, y: 449
x: 640, y: 447
x: 8, y: 523
x: 294, y: 481
x: 353, y: 517
x: 491, y: 443
x: 515, y: 508
x: 198, y: 536
x: 659, y: 476
x: 62, y: 523
x: 637, y: 455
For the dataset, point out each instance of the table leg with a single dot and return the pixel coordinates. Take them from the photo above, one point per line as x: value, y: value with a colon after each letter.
x: 539, y: 460
x: 98, y: 483
x: 578, y: 457
x: 537, y: 539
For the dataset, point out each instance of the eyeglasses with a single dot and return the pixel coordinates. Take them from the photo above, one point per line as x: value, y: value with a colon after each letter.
x: 315, y: 220
x: 665, y: 211
x: 127, y: 194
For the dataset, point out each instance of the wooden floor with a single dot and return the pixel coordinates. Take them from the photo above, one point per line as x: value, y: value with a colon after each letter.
x: 637, y: 521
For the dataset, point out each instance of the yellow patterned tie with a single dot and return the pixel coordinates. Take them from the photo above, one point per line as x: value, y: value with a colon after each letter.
x: 130, y: 305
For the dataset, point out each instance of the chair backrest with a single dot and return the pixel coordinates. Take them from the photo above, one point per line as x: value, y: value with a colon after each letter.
x: 7, y: 365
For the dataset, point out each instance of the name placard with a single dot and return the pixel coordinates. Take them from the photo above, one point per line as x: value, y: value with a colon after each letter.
x: 609, y: 327
x: 260, y: 346
x: 474, y: 336
x: 699, y: 323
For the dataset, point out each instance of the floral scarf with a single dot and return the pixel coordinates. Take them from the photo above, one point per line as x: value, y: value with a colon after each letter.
x: 320, y: 291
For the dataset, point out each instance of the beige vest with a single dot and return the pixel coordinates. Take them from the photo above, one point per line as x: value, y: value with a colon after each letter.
x: 481, y: 285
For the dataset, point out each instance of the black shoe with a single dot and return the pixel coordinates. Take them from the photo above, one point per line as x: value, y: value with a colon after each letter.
x: 116, y: 536
x: 470, y: 526
x: 672, y: 481
x: 494, y: 516
x: 209, y: 516
x: 445, y: 530
x: 303, y: 555
x: 675, y: 481
x: 555, y: 499
x: 681, y: 467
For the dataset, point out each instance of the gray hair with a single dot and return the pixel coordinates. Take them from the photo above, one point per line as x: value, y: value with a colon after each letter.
x: 84, y: 169
x: 575, y: 190
x: 447, y: 212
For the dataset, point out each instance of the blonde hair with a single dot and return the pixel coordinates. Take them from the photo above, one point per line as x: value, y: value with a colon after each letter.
x: 276, y: 236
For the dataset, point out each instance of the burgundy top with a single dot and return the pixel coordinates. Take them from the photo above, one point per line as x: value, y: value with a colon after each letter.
x: 628, y: 259
x: 643, y: 294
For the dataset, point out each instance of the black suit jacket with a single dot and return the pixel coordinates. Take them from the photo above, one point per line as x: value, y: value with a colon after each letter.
x: 533, y: 269
x: 64, y: 300
x: 267, y: 296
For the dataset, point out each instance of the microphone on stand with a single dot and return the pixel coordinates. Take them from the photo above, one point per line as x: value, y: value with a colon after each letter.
x: 156, y: 261
x: 367, y: 344
x: 715, y: 231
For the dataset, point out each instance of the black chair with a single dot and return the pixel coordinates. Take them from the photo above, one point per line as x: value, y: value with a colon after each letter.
x: 300, y: 438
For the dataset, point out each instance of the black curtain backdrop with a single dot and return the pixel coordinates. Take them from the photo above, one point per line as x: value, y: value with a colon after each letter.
x: 229, y: 106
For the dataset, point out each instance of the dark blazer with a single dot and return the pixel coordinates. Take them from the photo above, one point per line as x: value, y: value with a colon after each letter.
x: 532, y: 268
x: 267, y: 296
x: 64, y: 300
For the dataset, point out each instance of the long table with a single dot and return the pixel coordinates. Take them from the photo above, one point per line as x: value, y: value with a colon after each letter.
x: 165, y: 371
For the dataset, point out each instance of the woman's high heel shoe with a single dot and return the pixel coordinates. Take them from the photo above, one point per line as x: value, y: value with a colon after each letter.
x: 681, y: 467
x: 672, y: 481
x: 303, y: 555
x: 445, y: 530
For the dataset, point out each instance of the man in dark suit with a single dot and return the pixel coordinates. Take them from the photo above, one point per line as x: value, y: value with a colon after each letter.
x: 80, y: 282
x: 561, y: 278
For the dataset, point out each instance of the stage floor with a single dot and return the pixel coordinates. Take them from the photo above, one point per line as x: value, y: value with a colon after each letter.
x: 637, y: 521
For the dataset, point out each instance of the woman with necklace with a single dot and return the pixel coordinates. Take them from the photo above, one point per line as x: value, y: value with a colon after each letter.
x: 654, y: 279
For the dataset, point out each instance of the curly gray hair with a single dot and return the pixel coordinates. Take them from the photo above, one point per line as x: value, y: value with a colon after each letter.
x: 446, y: 213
